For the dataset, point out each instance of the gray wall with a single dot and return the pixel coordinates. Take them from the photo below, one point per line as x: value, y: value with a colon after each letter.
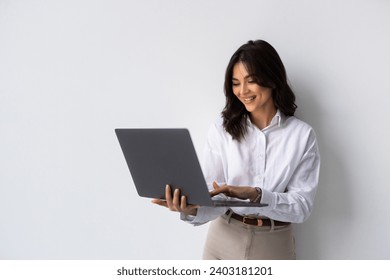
x: 72, y: 71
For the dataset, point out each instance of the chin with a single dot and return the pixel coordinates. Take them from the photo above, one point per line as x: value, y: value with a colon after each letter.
x: 250, y: 109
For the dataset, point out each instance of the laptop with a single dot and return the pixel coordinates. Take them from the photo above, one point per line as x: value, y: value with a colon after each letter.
x: 156, y: 157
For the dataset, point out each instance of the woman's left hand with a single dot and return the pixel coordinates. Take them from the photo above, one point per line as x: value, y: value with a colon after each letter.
x: 241, y: 192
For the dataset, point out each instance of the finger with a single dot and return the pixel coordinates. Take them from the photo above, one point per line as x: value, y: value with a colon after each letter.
x: 215, y: 185
x: 183, y: 203
x: 188, y: 209
x: 215, y: 192
x: 160, y: 202
x: 216, y: 189
x: 219, y: 189
x: 168, y: 196
x: 176, y: 200
x: 184, y: 206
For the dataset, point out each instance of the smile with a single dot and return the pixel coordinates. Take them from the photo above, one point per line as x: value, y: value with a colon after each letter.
x: 249, y: 99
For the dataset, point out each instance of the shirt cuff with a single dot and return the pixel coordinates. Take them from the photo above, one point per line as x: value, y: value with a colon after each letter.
x: 186, y: 218
x: 203, y: 215
x: 267, y: 197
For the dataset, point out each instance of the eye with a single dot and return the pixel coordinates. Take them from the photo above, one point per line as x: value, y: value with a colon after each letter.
x: 235, y: 84
x: 252, y: 81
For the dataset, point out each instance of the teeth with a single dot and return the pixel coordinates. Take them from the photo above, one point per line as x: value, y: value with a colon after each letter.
x: 249, y: 99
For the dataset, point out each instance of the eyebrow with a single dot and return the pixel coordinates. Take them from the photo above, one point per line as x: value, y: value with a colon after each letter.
x: 246, y: 77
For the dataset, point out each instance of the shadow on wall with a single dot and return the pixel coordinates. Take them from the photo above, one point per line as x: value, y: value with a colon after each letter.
x: 332, y: 204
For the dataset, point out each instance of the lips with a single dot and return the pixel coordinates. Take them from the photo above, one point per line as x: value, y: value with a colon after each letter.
x: 249, y: 99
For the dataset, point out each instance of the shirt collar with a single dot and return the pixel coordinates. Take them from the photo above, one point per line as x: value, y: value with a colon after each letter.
x: 277, y: 120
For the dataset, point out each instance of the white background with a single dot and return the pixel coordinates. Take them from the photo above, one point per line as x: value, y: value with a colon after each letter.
x: 73, y: 71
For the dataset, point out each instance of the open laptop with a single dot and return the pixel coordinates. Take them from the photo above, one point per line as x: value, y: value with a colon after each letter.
x: 157, y: 157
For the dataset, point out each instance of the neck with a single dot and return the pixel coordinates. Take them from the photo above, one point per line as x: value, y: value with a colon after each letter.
x: 263, y: 118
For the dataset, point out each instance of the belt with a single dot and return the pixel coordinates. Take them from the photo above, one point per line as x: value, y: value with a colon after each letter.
x: 260, y: 222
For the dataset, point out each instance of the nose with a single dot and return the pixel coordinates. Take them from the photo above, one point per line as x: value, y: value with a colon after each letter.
x: 244, y: 89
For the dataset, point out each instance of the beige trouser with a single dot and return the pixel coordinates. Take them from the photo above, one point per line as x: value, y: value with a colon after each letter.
x: 229, y: 239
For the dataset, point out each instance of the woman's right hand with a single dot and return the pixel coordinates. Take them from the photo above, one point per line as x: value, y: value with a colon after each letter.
x: 177, y: 202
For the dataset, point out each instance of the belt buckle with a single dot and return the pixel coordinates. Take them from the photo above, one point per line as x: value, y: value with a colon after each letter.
x: 259, y: 221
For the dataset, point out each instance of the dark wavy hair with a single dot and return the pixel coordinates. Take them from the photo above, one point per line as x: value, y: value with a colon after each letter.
x: 264, y: 64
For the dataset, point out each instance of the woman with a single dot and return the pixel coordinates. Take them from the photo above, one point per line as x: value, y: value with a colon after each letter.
x: 258, y: 151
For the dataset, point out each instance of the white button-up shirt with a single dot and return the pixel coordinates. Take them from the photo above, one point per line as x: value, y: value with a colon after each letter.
x: 282, y: 159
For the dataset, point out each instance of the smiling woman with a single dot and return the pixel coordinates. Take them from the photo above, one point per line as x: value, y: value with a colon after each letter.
x: 255, y: 97
x: 257, y: 151
x: 255, y: 67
